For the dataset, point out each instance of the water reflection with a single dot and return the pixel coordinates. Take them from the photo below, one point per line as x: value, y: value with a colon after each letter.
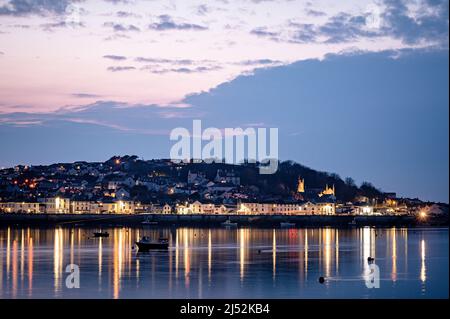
x: 394, y: 254
x: 58, y: 256
x: 274, y: 254
x: 212, y: 262
x: 423, y: 268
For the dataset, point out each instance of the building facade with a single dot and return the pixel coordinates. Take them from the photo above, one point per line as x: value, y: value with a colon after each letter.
x: 199, y: 208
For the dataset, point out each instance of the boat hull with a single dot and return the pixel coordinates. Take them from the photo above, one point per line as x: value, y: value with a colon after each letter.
x: 151, y: 246
x: 98, y: 235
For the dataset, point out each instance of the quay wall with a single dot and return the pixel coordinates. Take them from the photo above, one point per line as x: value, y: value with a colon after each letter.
x: 203, y: 220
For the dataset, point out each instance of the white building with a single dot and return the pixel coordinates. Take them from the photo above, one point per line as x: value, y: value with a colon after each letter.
x: 363, y: 209
x: 199, y: 208
x: 13, y: 207
x: 307, y: 208
x: 167, y: 209
x: 57, y: 205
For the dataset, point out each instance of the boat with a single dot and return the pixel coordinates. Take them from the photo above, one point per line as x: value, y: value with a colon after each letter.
x: 145, y: 244
x: 229, y: 223
x: 101, y: 234
x: 149, y: 222
x: 287, y: 225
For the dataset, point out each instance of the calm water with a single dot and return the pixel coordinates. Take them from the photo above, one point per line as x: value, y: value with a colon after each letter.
x: 225, y: 263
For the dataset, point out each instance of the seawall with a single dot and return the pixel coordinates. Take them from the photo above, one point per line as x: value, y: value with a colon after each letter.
x: 204, y: 220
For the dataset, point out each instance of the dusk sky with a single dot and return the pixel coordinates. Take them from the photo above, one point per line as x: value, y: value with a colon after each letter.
x: 359, y: 88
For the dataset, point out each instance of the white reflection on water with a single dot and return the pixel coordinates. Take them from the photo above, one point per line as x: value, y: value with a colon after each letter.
x: 423, y: 268
x: 100, y: 259
x: 327, y: 251
x: 306, y: 253
x: 368, y: 245
x: 336, y: 243
x: 187, y: 256
x: 30, y: 266
x: 209, y: 255
x: 394, y: 254
x: 242, y: 253
x: 32, y: 262
x: 274, y: 255
x: 58, y: 257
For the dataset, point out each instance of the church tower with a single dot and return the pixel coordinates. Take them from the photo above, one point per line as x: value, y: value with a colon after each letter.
x: 328, y: 191
x: 301, y: 185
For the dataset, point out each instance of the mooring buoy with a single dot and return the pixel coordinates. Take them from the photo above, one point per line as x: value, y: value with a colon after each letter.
x: 321, y: 280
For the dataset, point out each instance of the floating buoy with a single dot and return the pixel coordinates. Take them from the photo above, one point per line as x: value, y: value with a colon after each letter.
x: 259, y: 251
x: 370, y: 259
x: 321, y: 280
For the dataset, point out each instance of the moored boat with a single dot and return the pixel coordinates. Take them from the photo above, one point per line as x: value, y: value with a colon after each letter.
x: 101, y: 234
x: 145, y: 244
x: 149, y: 222
x: 229, y: 223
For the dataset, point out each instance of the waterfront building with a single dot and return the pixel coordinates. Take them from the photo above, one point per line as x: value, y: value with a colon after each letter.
x: 57, y: 205
x: 124, y: 207
x: 326, y: 205
x: 322, y: 207
x: 269, y: 209
x: 22, y: 207
x: 80, y: 207
x: 363, y: 208
x: 167, y: 209
x: 200, y: 208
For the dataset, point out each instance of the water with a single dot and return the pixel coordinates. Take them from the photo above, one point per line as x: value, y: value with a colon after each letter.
x: 225, y: 263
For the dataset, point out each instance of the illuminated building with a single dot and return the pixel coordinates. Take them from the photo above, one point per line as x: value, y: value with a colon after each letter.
x: 301, y: 185
x: 327, y: 191
x: 199, y: 208
x: 13, y: 207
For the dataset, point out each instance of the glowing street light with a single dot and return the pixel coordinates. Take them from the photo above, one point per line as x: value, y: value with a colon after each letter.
x: 423, y: 215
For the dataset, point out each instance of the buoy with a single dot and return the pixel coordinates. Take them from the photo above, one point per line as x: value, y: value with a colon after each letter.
x: 321, y: 280
x: 259, y: 251
x: 370, y: 259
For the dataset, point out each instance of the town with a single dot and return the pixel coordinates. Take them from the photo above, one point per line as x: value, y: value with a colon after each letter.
x: 129, y: 185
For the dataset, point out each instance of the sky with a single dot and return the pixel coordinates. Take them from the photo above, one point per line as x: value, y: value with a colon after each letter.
x: 359, y: 88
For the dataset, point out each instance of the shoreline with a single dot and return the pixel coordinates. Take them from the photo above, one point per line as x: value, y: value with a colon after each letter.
x: 213, y: 220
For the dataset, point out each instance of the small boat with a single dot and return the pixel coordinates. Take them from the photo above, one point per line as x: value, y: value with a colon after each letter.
x: 287, y: 225
x: 101, y: 234
x: 145, y: 244
x: 228, y: 223
x: 149, y: 222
